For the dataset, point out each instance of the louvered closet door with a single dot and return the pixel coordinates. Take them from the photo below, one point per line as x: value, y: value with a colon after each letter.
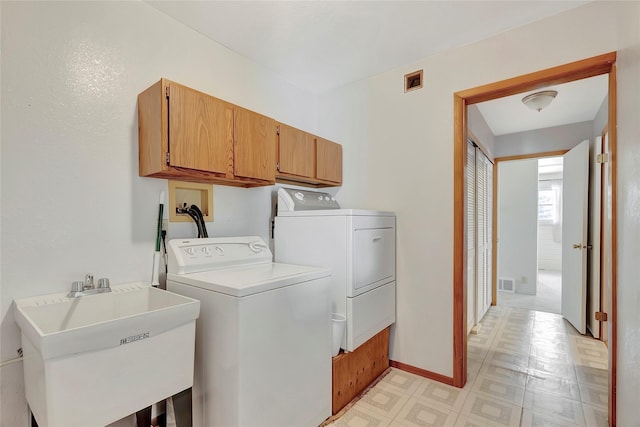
x: 484, y: 182
x: 471, y: 235
x: 489, y: 258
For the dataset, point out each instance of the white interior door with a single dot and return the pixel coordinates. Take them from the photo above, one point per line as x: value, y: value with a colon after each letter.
x: 574, y: 235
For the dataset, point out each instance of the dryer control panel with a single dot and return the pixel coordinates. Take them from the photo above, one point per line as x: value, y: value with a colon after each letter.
x: 290, y: 199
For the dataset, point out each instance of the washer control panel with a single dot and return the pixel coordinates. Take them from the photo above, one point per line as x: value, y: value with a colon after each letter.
x: 197, y: 255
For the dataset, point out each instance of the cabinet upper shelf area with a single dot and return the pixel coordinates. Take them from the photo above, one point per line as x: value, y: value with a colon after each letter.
x: 191, y: 136
x: 306, y: 159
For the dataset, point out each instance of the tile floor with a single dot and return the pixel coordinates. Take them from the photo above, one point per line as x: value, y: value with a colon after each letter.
x: 525, y: 368
x: 548, y: 294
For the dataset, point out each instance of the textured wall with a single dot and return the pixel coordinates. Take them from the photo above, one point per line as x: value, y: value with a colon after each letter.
x: 72, y: 200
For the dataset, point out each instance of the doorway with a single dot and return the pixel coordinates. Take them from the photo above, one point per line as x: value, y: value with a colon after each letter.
x: 603, y: 64
x: 529, y: 261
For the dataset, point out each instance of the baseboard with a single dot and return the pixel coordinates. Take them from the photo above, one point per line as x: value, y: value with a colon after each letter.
x: 421, y: 372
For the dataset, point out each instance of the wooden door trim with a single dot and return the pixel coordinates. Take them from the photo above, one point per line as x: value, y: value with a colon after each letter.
x: 613, y: 338
x: 597, y: 65
x: 601, y: 231
x: 556, y: 153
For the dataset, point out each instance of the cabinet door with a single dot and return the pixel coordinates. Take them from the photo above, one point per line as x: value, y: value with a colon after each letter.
x: 297, y: 152
x: 329, y: 160
x: 200, y: 130
x: 254, y: 148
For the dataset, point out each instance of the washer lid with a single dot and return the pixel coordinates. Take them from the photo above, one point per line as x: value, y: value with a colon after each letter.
x: 250, y: 279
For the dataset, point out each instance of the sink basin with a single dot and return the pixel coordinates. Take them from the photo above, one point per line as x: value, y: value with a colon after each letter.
x: 98, y: 358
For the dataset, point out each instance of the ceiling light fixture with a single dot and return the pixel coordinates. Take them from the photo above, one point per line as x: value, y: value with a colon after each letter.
x: 539, y: 100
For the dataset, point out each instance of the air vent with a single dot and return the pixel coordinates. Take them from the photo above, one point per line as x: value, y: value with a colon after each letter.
x: 506, y: 284
x: 413, y: 81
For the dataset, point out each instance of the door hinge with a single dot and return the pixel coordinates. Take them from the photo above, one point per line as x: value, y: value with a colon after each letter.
x: 278, y: 130
x: 166, y: 158
x: 166, y: 91
x: 602, y: 158
x: 601, y: 316
x: 278, y: 166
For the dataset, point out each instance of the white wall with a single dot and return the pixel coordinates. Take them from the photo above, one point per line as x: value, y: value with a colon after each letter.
x: 399, y: 151
x: 628, y: 213
x: 555, y: 138
x: 518, y: 223
x: 480, y: 129
x: 72, y: 201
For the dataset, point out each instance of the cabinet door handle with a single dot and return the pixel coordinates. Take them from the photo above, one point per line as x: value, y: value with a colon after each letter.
x: 376, y: 238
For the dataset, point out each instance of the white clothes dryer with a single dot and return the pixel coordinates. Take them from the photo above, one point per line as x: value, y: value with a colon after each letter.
x: 359, y: 246
x: 263, y: 338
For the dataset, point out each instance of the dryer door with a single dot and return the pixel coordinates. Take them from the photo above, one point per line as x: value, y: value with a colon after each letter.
x: 374, y: 258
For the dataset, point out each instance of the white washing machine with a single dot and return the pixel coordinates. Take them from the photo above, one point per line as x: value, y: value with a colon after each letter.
x: 359, y: 246
x: 263, y: 338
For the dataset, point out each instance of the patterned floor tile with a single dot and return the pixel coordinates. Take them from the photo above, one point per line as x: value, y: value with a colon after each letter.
x: 554, y: 406
x: 550, y: 354
x: 356, y: 417
x: 403, y: 381
x: 517, y: 362
x: 545, y: 368
x: 383, y: 400
x: 555, y: 376
x: 493, y: 388
x: 510, y: 346
x: 443, y: 395
x: 418, y: 413
x: 595, y: 417
x: 476, y: 352
x: 503, y: 374
x: 473, y: 368
x: 534, y: 419
x: 554, y: 385
x: 592, y: 376
x: 595, y: 396
x: 493, y: 411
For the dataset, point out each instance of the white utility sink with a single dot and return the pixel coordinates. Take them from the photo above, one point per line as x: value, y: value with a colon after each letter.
x: 95, y: 359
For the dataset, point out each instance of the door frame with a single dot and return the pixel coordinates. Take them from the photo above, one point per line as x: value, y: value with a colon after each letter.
x: 597, y: 65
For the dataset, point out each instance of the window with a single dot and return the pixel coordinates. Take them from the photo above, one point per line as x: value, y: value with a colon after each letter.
x: 548, y: 206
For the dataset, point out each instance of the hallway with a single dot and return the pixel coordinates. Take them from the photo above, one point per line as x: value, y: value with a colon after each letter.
x: 525, y: 368
x: 548, y: 297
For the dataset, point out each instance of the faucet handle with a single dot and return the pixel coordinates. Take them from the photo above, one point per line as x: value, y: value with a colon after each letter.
x: 103, y: 283
x: 77, y: 286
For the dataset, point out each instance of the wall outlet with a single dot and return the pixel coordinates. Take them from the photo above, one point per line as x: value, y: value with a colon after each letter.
x: 165, y: 224
x: 524, y: 280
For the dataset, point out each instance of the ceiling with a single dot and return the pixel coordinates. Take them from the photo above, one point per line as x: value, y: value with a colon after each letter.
x: 577, y: 101
x: 321, y: 45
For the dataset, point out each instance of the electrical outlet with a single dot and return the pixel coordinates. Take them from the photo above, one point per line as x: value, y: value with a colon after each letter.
x: 165, y: 224
x: 524, y: 280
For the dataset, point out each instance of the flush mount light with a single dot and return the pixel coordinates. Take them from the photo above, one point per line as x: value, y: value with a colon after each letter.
x: 539, y: 100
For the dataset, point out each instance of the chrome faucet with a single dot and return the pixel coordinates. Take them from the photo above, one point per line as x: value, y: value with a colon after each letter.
x: 80, y: 288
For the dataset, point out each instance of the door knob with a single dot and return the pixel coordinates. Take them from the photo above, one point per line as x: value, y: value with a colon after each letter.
x: 577, y: 246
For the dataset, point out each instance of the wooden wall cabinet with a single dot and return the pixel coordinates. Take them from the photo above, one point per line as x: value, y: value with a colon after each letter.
x: 188, y: 135
x: 306, y: 159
